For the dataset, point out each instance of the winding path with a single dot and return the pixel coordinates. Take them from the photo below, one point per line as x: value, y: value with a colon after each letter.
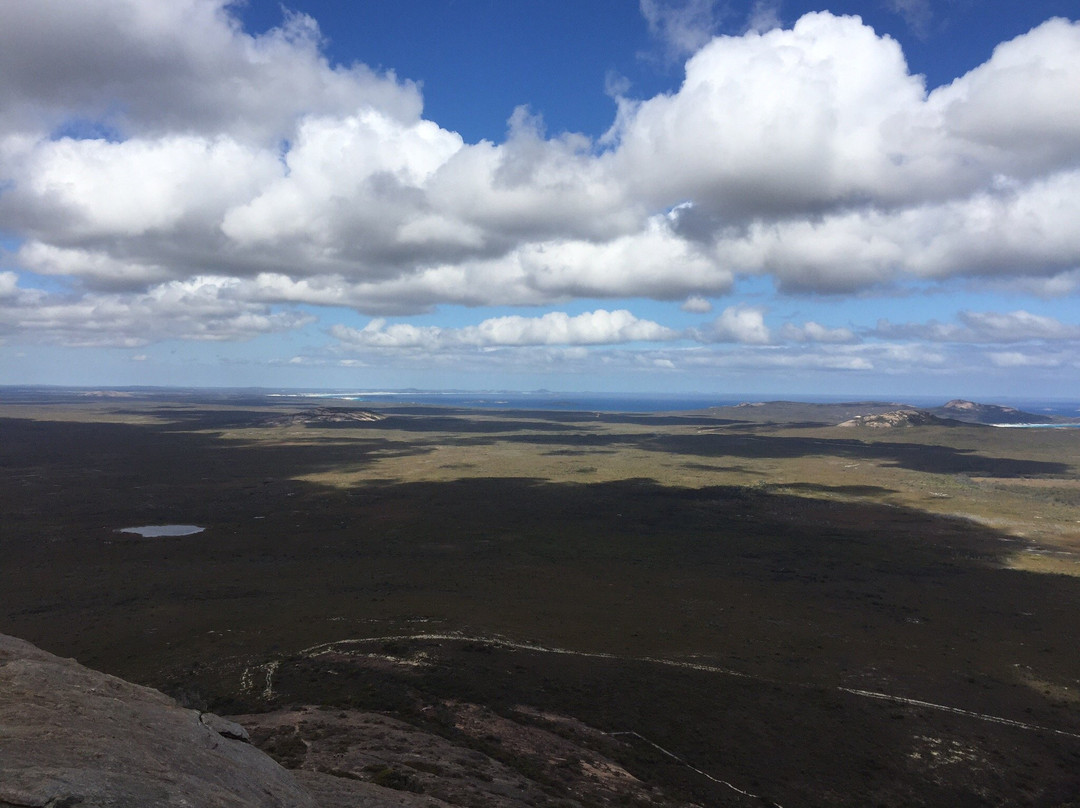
x: 247, y: 682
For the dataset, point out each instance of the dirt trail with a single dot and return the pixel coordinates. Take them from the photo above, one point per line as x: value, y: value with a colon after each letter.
x: 501, y: 642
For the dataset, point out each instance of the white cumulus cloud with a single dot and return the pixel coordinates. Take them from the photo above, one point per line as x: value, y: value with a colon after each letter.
x: 1017, y: 359
x: 696, y: 304
x: 815, y: 332
x: 744, y: 324
x: 598, y: 327
x: 983, y: 327
x: 161, y: 67
x: 147, y: 145
x: 203, y: 308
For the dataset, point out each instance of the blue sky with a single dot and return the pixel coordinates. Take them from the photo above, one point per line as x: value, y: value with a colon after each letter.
x: 695, y: 195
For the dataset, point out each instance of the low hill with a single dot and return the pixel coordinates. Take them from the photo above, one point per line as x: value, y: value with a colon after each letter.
x: 899, y: 418
x: 802, y: 412
x: 976, y: 413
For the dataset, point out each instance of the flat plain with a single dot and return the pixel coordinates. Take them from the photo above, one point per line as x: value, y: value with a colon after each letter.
x: 729, y: 607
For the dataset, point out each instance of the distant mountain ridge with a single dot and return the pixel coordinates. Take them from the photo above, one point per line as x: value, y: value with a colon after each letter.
x: 882, y: 413
x: 970, y: 411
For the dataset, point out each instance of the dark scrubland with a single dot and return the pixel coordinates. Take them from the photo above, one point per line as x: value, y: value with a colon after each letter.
x: 733, y: 611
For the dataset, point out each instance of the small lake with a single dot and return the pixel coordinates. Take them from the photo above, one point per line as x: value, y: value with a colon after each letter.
x: 152, y: 531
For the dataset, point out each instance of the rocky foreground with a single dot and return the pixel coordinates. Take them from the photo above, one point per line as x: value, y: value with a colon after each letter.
x: 72, y: 736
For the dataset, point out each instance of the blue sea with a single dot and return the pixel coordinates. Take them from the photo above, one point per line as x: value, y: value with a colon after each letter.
x: 519, y: 400
x: 538, y: 400
x: 636, y: 402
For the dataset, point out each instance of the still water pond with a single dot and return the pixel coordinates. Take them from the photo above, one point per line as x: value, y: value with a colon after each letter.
x: 151, y: 531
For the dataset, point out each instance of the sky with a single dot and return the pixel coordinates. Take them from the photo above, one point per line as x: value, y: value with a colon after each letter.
x: 876, y: 198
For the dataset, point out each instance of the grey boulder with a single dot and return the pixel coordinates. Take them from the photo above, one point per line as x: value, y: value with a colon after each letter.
x: 72, y: 736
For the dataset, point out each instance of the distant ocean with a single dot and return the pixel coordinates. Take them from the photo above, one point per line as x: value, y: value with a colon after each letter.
x: 637, y: 402
x: 515, y: 400
x: 540, y: 400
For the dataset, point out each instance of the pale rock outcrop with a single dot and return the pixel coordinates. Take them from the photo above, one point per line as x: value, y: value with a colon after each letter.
x: 325, y: 415
x: 897, y: 418
x: 72, y: 736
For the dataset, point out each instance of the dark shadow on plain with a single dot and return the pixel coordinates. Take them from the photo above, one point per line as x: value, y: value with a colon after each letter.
x: 847, y: 490
x: 914, y: 456
x: 732, y: 469
x: 444, y: 423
